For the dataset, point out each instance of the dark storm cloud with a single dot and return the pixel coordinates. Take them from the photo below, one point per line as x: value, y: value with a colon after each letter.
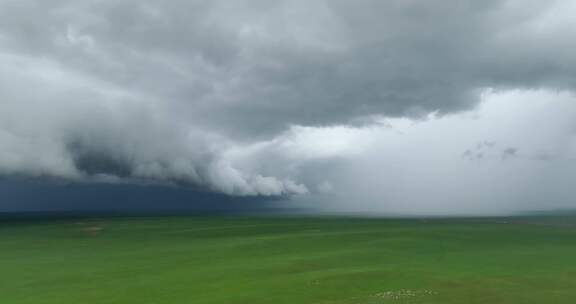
x: 167, y: 90
x: 81, y: 199
x: 257, y: 66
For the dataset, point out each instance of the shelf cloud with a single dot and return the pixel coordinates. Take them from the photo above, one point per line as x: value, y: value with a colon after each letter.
x: 286, y: 98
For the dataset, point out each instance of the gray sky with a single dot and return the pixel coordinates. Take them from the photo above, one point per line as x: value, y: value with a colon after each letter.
x: 395, y: 106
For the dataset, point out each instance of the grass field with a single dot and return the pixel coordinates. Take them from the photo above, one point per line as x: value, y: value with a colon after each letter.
x: 181, y: 260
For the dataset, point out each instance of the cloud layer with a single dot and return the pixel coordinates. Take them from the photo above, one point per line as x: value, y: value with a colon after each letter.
x: 250, y: 97
x: 514, y: 153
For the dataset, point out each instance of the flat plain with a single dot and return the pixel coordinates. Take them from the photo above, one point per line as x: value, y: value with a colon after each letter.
x: 252, y: 260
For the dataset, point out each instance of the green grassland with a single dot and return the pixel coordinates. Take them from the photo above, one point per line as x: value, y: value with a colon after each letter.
x: 181, y: 260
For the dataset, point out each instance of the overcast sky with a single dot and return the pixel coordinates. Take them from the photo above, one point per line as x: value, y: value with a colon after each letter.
x: 378, y: 106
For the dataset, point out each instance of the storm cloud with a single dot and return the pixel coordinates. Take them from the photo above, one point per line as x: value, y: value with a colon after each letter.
x: 252, y: 97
